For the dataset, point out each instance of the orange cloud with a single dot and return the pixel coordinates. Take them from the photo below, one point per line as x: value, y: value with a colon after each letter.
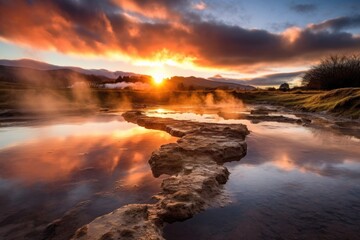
x: 200, y: 6
x: 292, y: 34
x: 148, y: 8
x: 160, y: 31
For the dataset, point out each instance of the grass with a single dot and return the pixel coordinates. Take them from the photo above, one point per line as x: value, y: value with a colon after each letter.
x: 339, y: 102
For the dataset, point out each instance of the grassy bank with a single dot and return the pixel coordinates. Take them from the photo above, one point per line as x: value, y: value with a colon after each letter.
x: 339, y: 102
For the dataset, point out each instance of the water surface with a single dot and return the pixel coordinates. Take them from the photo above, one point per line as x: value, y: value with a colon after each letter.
x: 295, y: 183
x: 72, y: 171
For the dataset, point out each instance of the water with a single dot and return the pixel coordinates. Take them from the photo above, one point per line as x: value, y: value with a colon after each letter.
x: 294, y: 183
x: 72, y: 171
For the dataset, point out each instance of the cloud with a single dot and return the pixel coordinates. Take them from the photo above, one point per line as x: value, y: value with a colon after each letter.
x: 303, y: 8
x: 200, y: 6
x: 337, y: 24
x: 160, y: 30
x: 233, y: 46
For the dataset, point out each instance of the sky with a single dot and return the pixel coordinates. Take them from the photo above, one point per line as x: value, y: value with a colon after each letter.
x: 232, y: 38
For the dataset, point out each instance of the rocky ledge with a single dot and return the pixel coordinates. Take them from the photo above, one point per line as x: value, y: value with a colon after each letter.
x: 196, y: 175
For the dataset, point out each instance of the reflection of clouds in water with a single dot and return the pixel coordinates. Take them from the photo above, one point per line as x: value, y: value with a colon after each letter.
x: 284, y: 162
x: 79, y: 192
x: 11, y: 136
x: 295, y: 179
x: 324, y: 154
x: 42, y: 178
x: 58, y: 159
x: 287, y: 146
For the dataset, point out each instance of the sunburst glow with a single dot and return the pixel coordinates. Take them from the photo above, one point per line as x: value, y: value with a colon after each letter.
x: 159, y: 77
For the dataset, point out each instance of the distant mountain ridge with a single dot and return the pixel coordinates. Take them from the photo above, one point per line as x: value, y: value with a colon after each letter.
x: 196, y: 82
x: 35, y: 73
x: 37, y: 65
x: 57, y: 78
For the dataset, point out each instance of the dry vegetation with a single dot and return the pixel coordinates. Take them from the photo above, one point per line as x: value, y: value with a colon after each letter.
x: 334, y: 72
x: 343, y: 102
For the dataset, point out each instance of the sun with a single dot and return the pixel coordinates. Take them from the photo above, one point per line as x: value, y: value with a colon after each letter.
x: 158, y: 78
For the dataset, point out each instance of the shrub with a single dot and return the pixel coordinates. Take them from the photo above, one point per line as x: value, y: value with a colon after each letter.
x: 334, y: 72
x: 284, y: 87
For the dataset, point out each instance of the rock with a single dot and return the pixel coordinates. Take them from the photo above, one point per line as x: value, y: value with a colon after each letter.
x: 65, y: 226
x: 128, y: 222
x: 194, y: 164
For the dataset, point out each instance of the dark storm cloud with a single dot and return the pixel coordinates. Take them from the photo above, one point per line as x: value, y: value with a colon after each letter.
x: 309, y: 41
x: 223, y: 45
x: 228, y: 45
x: 337, y: 24
x: 303, y: 8
x: 143, y: 29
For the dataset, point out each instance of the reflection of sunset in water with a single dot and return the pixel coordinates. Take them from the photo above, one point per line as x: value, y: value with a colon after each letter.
x: 54, y: 168
x: 59, y: 158
x: 283, y: 162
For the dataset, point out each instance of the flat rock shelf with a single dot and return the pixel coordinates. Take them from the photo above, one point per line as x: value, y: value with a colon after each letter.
x: 196, y: 175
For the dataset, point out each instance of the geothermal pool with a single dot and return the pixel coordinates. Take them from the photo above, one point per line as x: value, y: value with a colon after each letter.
x: 72, y: 171
x: 296, y: 182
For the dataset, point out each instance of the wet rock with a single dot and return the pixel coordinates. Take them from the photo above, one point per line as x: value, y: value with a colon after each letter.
x: 128, y: 222
x: 194, y: 164
x: 174, y: 163
x: 65, y: 226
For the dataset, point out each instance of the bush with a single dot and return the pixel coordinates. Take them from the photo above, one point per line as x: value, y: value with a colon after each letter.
x: 334, y: 72
x: 284, y: 87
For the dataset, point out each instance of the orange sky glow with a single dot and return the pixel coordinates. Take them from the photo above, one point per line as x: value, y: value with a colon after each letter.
x: 165, y: 37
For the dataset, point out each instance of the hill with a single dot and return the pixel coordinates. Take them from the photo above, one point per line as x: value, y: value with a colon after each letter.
x: 201, y: 83
x: 59, y: 78
x: 36, y: 65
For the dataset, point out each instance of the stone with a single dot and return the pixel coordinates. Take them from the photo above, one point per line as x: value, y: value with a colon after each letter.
x: 194, y: 164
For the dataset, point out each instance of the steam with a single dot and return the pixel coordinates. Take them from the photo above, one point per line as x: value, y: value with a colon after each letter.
x: 72, y: 93
x: 121, y: 85
x: 45, y: 95
x: 215, y: 99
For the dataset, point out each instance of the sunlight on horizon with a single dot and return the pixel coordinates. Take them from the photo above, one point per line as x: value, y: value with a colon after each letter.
x: 159, y: 74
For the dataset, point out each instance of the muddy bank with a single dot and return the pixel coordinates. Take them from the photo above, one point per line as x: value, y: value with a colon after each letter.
x: 194, y: 164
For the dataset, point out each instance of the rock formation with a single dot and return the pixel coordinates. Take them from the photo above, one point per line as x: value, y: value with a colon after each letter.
x: 194, y: 164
